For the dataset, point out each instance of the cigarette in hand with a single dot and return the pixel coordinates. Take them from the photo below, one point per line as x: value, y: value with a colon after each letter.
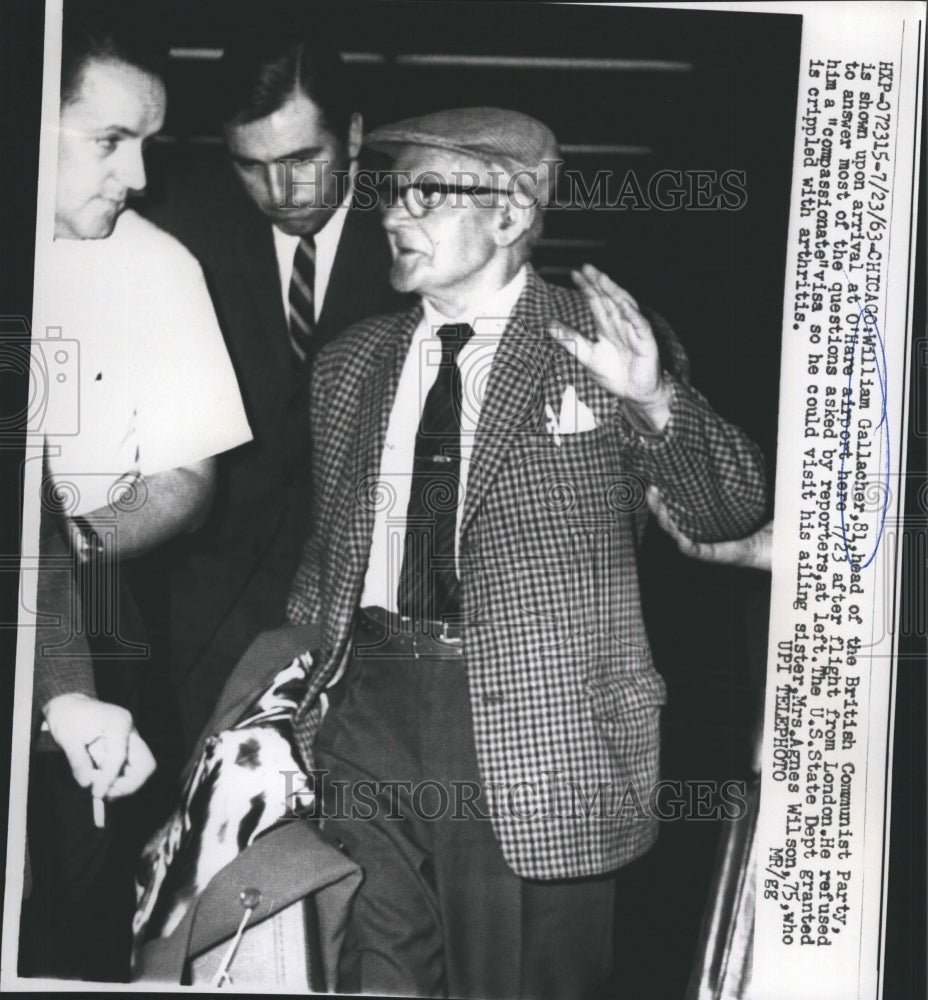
x: 99, y: 808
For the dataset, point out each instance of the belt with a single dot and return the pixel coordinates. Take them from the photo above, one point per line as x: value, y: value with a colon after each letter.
x: 381, y: 631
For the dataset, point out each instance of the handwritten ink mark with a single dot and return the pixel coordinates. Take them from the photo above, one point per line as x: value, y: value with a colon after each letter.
x: 868, y: 319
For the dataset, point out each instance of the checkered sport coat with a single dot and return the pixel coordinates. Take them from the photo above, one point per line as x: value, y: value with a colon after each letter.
x: 565, y: 698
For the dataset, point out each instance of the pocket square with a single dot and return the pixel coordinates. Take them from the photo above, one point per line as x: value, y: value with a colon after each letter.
x: 576, y: 417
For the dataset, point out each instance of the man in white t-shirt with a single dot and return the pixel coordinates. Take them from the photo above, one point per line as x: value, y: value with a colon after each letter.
x: 154, y: 398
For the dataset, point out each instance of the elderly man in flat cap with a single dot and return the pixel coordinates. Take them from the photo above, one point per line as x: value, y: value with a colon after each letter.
x: 481, y: 461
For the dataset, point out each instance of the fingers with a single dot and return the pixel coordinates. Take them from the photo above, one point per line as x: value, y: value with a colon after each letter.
x: 571, y: 340
x: 618, y: 304
x: 686, y: 545
x: 598, y: 286
x: 754, y: 552
x: 726, y: 553
x: 139, y: 767
x: 763, y: 555
x: 605, y: 320
x: 624, y: 356
x: 78, y: 759
x: 695, y: 550
x: 94, y: 736
x: 609, y: 287
x: 616, y: 313
x: 660, y: 512
x: 115, y: 750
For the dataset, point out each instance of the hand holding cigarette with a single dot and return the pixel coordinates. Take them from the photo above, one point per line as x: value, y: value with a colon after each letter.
x: 103, y: 747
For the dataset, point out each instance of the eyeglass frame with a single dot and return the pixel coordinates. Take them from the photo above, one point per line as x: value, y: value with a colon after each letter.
x: 399, y: 193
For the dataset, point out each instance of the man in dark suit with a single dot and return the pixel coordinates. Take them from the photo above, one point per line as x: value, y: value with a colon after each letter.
x: 291, y: 260
x: 481, y: 462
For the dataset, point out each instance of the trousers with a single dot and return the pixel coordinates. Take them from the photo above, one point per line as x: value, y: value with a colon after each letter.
x: 439, y: 912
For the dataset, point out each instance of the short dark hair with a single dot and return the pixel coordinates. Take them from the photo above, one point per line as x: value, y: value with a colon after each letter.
x: 108, y: 32
x: 261, y: 70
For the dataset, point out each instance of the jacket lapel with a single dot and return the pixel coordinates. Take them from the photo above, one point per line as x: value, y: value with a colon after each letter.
x: 515, y: 395
x: 258, y: 269
x: 359, y: 285
x: 379, y: 382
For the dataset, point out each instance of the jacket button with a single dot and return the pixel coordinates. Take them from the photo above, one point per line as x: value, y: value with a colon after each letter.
x: 250, y: 898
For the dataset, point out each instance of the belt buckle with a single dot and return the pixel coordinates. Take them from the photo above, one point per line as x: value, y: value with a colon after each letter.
x: 446, y: 639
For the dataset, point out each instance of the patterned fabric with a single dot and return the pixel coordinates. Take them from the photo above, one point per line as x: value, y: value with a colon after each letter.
x: 301, y: 297
x: 232, y: 797
x: 565, y: 698
x: 428, y: 586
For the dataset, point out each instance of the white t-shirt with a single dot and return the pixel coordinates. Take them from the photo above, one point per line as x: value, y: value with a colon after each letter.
x: 136, y: 370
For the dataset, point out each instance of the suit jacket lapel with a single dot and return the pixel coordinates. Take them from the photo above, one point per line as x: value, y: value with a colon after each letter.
x: 359, y: 284
x: 261, y: 273
x: 515, y: 395
x: 380, y: 380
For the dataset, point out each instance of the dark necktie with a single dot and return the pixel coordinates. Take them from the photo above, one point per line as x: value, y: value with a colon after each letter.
x: 302, y: 312
x: 428, y: 586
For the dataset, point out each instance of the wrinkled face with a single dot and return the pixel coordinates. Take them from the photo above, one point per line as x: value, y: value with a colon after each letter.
x: 298, y: 197
x: 446, y: 250
x: 100, y: 140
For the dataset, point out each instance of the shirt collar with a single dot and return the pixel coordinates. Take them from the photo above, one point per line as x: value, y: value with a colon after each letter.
x: 488, y: 316
x: 330, y: 233
x: 327, y: 238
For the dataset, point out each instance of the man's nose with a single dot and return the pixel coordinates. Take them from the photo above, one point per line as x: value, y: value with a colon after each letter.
x: 131, y: 168
x: 276, y: 183
x: 394, y: 213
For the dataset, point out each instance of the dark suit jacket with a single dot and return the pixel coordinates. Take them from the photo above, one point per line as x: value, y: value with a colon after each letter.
x: 229, y: 581
x: 563, y: 689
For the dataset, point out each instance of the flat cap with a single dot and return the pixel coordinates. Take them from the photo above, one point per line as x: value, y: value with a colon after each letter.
x: 521, y: 145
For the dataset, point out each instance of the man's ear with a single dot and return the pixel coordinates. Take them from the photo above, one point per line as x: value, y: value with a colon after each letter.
x: 512, y: 221
x: 355, y: 134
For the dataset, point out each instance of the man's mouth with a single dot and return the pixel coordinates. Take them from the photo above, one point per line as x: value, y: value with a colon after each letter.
x: 405, y: 250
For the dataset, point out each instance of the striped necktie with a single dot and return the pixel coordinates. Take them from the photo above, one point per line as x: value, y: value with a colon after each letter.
x: 428, y: 586
x: 302, y: 309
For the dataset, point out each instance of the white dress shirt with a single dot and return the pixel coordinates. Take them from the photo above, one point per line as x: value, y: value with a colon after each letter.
x: 326, y: 241
x: 488, y: 320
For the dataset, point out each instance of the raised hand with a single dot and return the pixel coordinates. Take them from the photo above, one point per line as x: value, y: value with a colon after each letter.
x: 624, y: 357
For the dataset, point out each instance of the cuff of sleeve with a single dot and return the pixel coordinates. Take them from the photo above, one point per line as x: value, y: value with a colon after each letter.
x: 637, y: 433
x: 77, y: 679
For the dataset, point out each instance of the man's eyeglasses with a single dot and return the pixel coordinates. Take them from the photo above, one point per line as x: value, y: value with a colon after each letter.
x: 420, y: 197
